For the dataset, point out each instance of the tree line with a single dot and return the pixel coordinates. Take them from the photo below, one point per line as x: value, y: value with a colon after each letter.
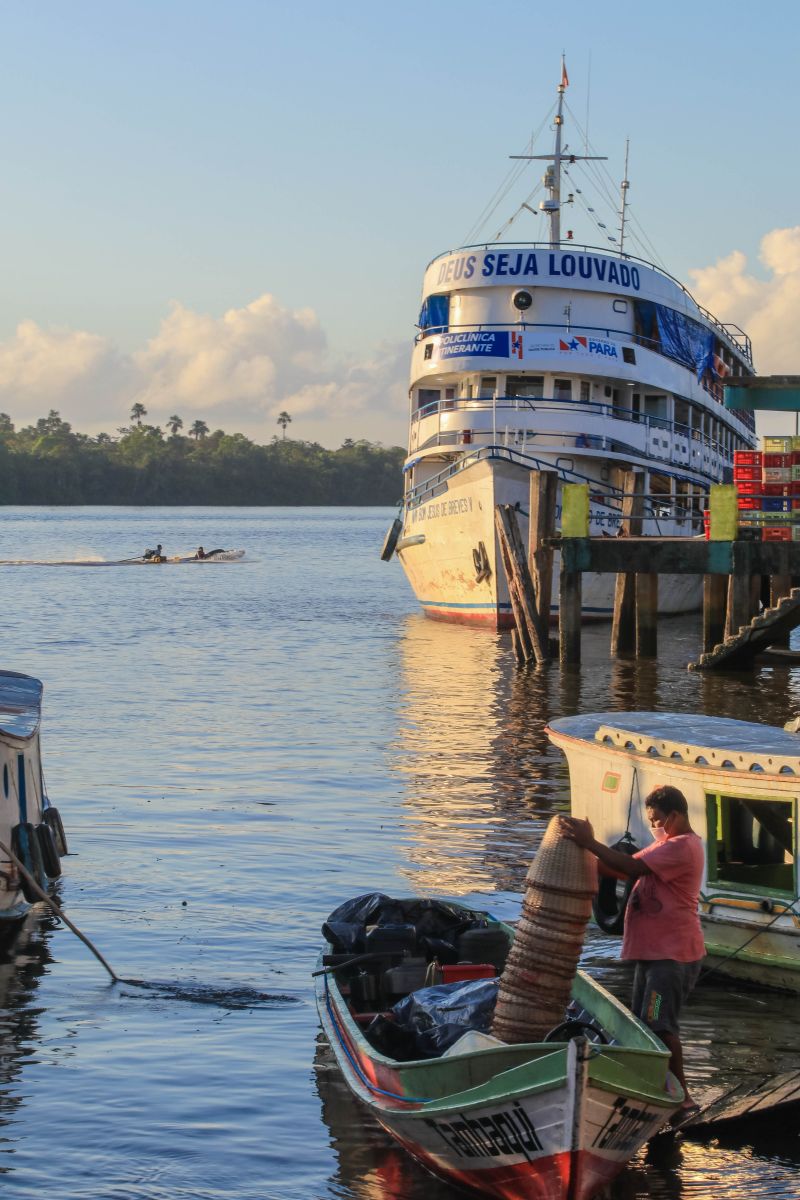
x: 49, y: 463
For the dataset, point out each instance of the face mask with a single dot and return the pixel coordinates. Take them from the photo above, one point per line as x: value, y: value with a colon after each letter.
x: 659, y: 833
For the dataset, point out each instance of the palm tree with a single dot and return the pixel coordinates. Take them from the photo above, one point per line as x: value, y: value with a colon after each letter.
x: 283, y: 420
x: 199, y: 430
x: 174, y: 424
x: 137, y: 412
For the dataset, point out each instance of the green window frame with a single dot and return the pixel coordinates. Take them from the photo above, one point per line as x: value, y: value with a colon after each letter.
x: 751, y: 843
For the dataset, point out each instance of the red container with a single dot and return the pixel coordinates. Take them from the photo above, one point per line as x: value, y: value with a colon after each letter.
x: 796, y: 502
x: 777, y: 533
x: 776, y: 460
x: 748, y: 502
x: 746, y: 473
x: 752, y: 487
x: 459, y: 972
x: 776, y: 489
x: 747, y: 457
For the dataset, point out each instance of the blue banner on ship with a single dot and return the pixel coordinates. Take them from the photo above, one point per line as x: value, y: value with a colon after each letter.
x: 487, y: 343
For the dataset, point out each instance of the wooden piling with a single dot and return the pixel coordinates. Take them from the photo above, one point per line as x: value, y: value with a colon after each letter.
x: 779, y: 586
x: 647, y: 615
x: 623, y: 636
x: 739, y: 609
x: 520, y: 585
x: 542, y: 527
x: 570, y: 591
x: 715, y: 597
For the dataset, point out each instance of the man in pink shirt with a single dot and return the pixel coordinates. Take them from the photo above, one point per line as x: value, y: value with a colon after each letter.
x: 662, y: 934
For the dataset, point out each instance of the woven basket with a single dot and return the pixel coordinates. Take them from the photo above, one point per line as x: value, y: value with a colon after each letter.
x: 537, y: 980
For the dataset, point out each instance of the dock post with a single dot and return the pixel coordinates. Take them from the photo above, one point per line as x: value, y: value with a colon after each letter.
x: 779, y: 586
x: 520, y: 586
x: 542, y: 527
x: 739, y: 590
x: 574, y: 524
x: 623, y: 621
x: 715, y: 594
x: 570, y: 592
x: 646, y: 615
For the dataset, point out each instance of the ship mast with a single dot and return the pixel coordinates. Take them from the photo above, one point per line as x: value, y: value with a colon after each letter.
x: 551, y: 207
x: 623, y: 198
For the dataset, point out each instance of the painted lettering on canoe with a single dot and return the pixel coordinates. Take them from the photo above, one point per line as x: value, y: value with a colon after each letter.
x: 442, y: 508
x: 505, y: 1132
x: 623, y: 1126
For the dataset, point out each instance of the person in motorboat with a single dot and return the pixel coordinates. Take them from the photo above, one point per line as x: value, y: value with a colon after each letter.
x: 662, y: 935
x: 156, y: 555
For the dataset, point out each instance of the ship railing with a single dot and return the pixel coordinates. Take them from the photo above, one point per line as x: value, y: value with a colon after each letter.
x: 691, y: 435
x: 732, y: 332
x: 659, y: 508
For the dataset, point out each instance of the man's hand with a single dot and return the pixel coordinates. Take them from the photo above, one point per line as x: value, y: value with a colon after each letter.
x: 577, y: 831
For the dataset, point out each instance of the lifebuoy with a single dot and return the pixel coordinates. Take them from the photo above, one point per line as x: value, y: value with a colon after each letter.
x: 52, y: 817
x: 25, y: 845
x: 391, y: 539
x: 613, y: 894
x: 48, y: 851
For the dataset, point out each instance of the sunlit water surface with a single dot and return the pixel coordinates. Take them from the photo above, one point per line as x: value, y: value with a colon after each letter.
x: 236, y: 748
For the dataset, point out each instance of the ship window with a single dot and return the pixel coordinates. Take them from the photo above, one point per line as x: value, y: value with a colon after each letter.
x: 629, y: 354
x: 450, y: 393
x: 562, y: 389
x: 586, y: 390
x: 427, y: 396
x: 488, y: 385
x: 751, y: 843
x: 620, y: 306
x: 429, y: 350
x: 524, y: 385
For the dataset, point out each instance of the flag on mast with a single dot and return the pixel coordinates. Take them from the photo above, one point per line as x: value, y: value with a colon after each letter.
x: 564, y: 75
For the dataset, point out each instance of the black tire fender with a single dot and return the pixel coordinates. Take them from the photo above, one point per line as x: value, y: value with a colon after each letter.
x: 48, y: 850
x: 52, y: 817
x: 391, y: 539
x: 612, y: 896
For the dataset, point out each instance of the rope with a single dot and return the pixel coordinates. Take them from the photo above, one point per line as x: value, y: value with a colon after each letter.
x: 739, y: 949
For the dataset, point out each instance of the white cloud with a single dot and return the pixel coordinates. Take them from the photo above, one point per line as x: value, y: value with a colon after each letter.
x: 766, y: 306
x: 236, y: 372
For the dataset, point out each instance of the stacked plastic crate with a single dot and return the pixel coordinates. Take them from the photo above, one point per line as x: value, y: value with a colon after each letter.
x: 776, y: 488
x: 747, y: 469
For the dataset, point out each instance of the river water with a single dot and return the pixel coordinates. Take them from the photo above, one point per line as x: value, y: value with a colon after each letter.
x: 236, y: 748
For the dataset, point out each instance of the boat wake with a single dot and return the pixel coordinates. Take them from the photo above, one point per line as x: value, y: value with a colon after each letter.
x: 222, y: 997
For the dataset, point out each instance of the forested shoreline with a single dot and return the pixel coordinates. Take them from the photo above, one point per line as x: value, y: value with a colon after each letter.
x: 49, y: 463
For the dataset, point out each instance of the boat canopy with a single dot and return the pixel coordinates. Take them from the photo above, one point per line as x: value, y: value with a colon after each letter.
x: 738, y: 738
x: 20, y: 705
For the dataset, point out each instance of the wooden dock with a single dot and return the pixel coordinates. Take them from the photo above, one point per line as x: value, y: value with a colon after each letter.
x: 734, y: 569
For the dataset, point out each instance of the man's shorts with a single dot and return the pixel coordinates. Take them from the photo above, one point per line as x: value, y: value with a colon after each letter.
x: 660, y: 987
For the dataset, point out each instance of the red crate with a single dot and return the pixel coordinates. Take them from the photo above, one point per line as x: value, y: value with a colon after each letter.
x: 458, y: 972
x: 748, y: 502
x: 746, y: 473
x: 747, y: 457
x: 796, y: 503
x: 776, y: 489
x: 752, y: 487
x: 776, y: 460
x: 777, y: 533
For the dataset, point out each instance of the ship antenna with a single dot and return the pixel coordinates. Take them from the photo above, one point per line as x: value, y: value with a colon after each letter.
x: 551, y: 207
x: 624, y: 198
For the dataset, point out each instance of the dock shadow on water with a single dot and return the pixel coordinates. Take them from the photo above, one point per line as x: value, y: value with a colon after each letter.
x: 205, y: 993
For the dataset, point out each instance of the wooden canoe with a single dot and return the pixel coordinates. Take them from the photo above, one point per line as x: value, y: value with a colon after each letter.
x: 555, y: 1120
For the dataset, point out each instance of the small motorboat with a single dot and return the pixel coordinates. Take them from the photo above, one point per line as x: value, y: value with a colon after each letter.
x: 210, y: 556
x: 407, y: 1016
x: 29, y: 825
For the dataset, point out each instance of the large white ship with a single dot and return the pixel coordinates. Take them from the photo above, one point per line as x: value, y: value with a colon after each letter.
x: 557, y: 356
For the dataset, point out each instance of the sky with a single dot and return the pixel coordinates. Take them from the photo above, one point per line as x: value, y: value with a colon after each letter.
x: 224, y: 211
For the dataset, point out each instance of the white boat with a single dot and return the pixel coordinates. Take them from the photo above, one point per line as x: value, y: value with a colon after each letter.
x: 29, y: 825
x: 742, y: 784
x: 557, y: 356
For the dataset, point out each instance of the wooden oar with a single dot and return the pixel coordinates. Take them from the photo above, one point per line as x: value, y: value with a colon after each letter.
x: 42, y: 894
